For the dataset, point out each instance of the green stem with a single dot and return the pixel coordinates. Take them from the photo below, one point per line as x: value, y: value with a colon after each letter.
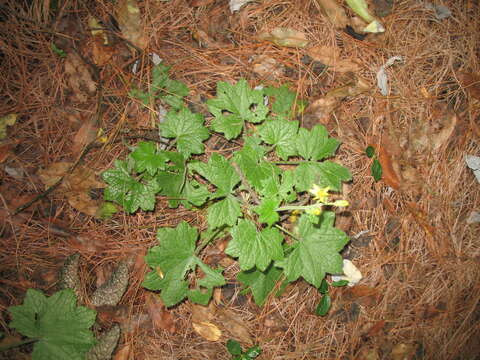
x: 286, y: 162
x: 19, y: 343
x: 297, y: 207
x: 208, y: 241
x: 286, y: 232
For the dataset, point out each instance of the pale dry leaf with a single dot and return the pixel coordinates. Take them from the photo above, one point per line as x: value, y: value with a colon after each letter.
x: 284, y: 36
x: 448, y: 123
x: 207, y: 330
x: 334, y: 12
x: 84, y: 136
x: 234, y: 325
x: 123, y: 353
x: 330, y: 56
x: 203, y: 313
x: 471, y: 83
x: 130, y: 22
x: 80, y: 80
x: 403, y: 352
x: 267, y: 67
x: 7, y: 120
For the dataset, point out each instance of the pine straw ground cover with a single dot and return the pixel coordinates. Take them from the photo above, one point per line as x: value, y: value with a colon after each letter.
x: 409, y: 235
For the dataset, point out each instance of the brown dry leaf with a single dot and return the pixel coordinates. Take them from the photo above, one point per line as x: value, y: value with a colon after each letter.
x: 362, y: 290
x: 330, y: 56
x: 368, y: 354
x: 403, y: 352
x: 319, y: 111
x: 84, y: 136
x: 130, y: 22
x: 471, y: 83
x: 448, y: 122
x: 76, y: 186
x: 198, y: 3
x: 376, y: 328
x: 203, y: 313
x: 123, y: 353
x: 79, y: 78
x: 101, y: 51
x: 161, y: 317
x: 334, y: 12
x: 267, y: 67
x: 234, y: 325
x: 389, y: 175
x: 284, y: 36
x: 6, y: 149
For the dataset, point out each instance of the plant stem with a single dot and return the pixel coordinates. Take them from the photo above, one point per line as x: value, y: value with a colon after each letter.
x: 208, y: 241
x: 19, y: 343
x: 286, y: 232
x: 286, y: 162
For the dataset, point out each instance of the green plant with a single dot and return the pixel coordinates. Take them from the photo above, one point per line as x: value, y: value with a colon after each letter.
x: 280, y: 169
x: 376, y: 168
x: 58, y: 327
x: 326, y: 302
x: 235, y: 349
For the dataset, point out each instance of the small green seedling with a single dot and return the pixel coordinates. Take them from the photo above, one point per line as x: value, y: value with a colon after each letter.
x: 59, y: 52
x: 235, y: 349
x: 376, y: 168
x: 326, y: 302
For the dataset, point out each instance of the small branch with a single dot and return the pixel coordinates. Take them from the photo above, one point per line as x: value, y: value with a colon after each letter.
x: 245, y: 183
x: 40, y: 196
x: 19, y: 343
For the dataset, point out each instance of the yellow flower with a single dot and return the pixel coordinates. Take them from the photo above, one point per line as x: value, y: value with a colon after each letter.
x: 314, y: 211
x: 320, y: 194
x: 341, y: 203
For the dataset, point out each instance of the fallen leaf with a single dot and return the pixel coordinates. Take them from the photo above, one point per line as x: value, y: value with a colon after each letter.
x: 84, y: 136
x: 202, y: 313
x: 123, y: 353
x: 284, y: 36
x: 334, y: 12
x: 267, y: 67
x: 161, y: 317
x: 198, y: 3
x: 130, y: 22
x: 368, y: 354
x: 361, y: 291
x: 79, y: 78
x: 7, y: 120
x: 330, y: 56
x: 235, y: 5
x: 234, y: 325
x: 376, y: 328
x: 6, y: 150
x: 447, y: 121
x: 76, y: 186
x: 471, y: 83
x: 389, y: 175
x: 403, y: 352
x: 207, y: 330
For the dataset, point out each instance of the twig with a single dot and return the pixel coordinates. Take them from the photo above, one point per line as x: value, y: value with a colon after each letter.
x: 54, y: 186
